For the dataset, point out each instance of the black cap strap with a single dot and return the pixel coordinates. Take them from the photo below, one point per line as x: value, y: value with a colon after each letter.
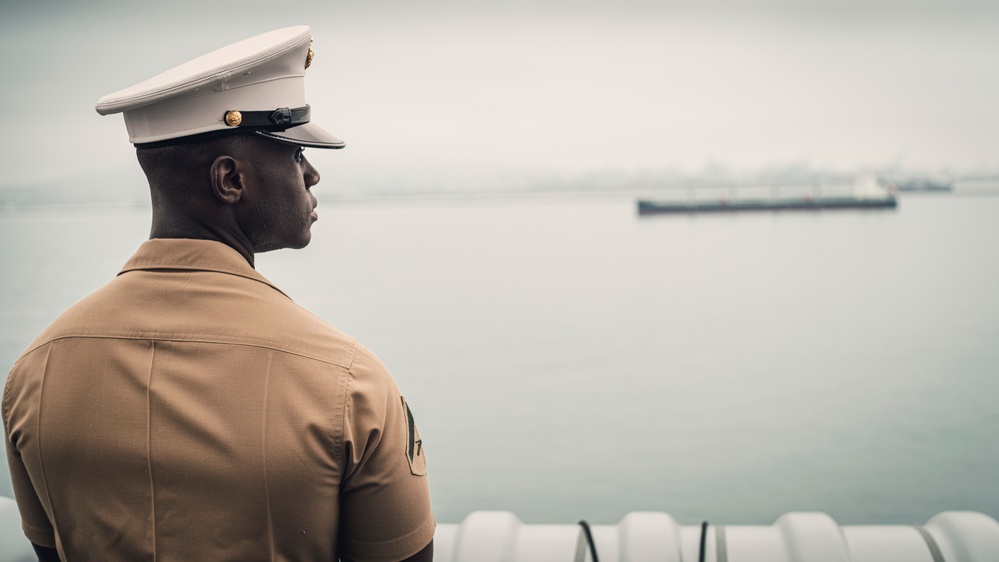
x: 268, y: 120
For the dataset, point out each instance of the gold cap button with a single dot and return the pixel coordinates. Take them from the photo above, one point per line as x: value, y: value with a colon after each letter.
x: 233, y: 118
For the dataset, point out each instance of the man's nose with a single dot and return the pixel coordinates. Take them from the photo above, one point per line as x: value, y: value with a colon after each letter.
x: 311, y: 174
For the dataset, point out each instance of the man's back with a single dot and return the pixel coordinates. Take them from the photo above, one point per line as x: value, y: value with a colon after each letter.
x: 189, y: 410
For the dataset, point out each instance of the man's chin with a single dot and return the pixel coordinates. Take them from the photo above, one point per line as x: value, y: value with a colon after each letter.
x: 288, y: 245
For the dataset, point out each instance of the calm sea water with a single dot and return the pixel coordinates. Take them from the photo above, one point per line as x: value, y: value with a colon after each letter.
x: 566, y: 359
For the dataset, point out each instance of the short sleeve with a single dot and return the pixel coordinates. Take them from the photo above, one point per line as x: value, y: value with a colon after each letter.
x: 384, y: 497
x: 34, y: 520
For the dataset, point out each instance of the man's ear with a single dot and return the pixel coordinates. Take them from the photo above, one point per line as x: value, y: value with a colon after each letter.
x: 227, y: 179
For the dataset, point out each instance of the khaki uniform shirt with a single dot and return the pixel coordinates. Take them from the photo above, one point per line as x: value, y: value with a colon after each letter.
x: 189, y: 410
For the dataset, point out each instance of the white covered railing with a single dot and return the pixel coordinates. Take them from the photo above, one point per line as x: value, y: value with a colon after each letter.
x: 499, y: 536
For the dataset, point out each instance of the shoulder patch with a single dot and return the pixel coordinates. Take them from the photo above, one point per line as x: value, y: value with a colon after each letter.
x: 414, y: 445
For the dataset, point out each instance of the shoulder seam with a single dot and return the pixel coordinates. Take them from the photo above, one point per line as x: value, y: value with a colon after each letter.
x: 199, y: 338
x: 340, y: 417
x: 7, y: 387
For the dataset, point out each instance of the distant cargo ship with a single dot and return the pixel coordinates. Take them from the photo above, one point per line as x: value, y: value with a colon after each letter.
x: 869, y: 192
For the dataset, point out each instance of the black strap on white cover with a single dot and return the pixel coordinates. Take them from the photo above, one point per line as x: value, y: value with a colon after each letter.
x: 589, y: 539
x: 704, y: 539
x: 931, y: 544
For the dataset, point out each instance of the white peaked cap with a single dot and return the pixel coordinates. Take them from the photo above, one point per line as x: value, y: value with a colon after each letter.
x: 256, y: 85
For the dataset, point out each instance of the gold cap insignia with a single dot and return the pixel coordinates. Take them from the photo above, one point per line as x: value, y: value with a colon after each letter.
x: 233, y: 118
x: 308, y: 57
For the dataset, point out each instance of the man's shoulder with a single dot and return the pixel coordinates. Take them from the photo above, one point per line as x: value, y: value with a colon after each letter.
x: 244, y: 313
x: 316, y: 337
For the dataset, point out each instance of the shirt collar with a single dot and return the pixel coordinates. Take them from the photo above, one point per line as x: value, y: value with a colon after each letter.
x: 193, y: 255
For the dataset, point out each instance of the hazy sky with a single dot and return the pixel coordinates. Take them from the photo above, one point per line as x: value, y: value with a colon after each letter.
x: 475, y: 93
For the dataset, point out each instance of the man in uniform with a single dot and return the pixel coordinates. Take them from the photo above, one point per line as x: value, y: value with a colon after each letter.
x: 189, y: 410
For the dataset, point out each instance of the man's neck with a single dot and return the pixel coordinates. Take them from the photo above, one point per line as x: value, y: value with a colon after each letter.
x: 164, y: 227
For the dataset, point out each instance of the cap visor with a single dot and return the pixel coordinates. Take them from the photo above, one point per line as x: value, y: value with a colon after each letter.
x: 308, y: 135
